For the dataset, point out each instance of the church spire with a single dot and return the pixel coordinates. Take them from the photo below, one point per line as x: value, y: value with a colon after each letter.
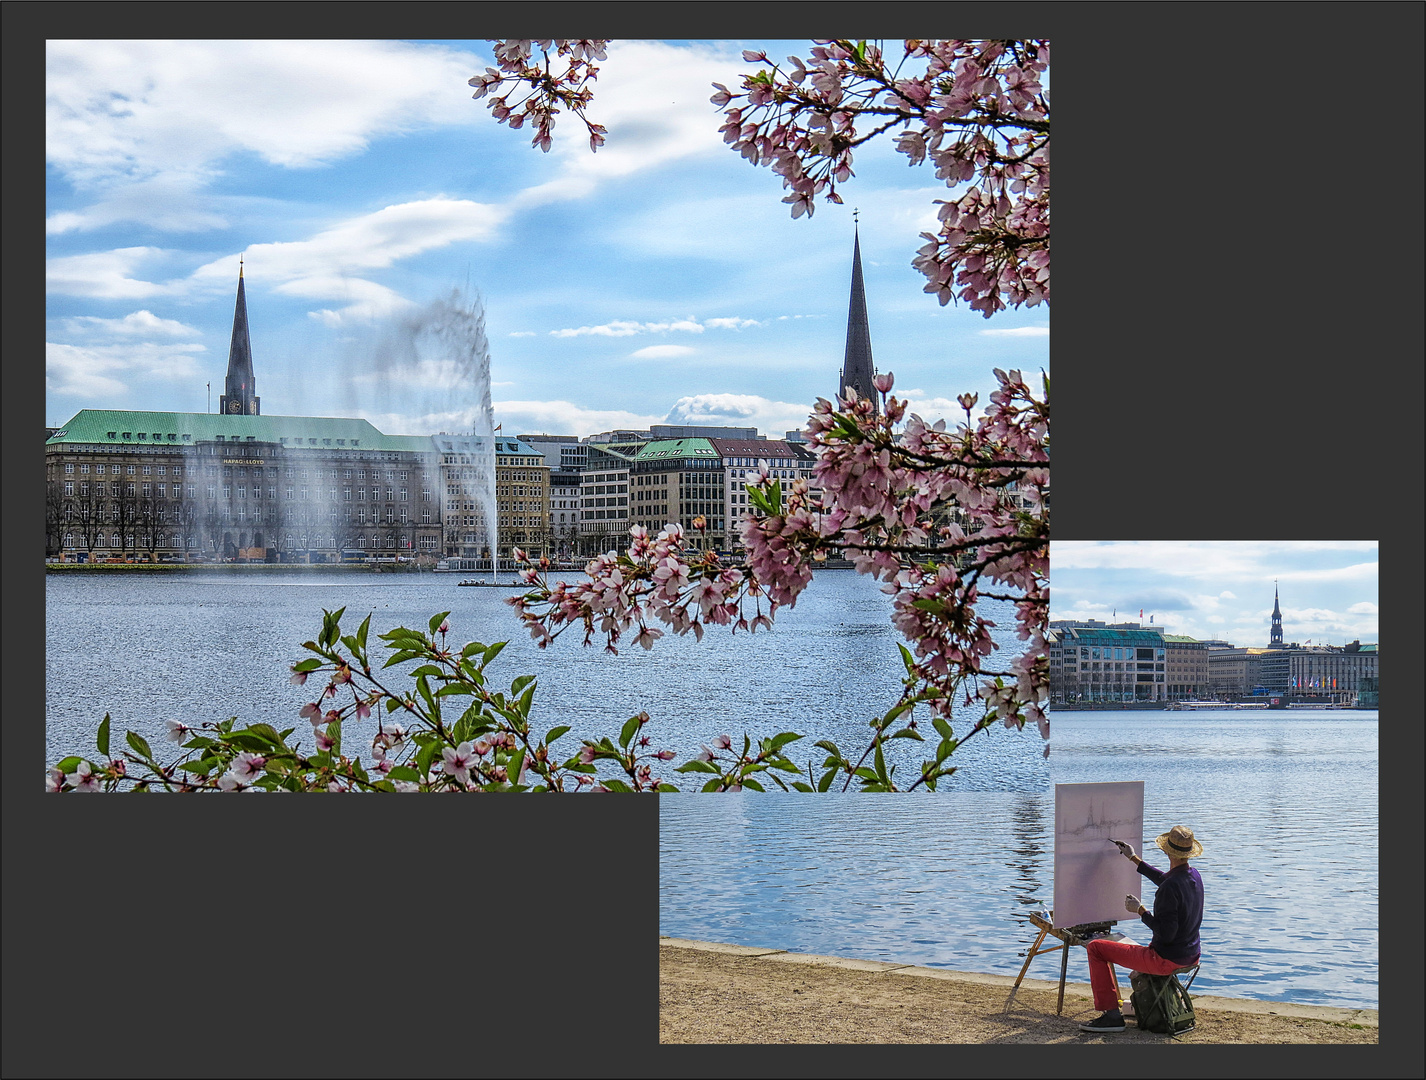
x: 240, y: 388
x: 858, y: 368
x: 1276, y: 640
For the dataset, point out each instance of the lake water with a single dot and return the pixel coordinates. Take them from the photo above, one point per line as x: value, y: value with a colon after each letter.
x: 1285, y: 805
x: 208, y: 645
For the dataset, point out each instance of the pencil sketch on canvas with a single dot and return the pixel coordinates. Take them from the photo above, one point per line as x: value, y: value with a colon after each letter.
x: 1091, y: 877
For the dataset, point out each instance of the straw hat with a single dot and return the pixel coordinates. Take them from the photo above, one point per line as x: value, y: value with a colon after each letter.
x: 1178, y: 843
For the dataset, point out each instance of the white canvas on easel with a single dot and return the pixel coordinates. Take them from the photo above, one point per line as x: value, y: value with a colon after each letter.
x: 1091, y: 877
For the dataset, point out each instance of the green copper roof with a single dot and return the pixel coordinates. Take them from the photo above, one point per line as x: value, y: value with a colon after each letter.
x: 464, y: 443
x: 1093, y: 635
x: 180, y: 429
x: 671, y: 449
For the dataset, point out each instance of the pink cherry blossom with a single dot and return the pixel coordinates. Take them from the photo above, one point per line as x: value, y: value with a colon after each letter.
x: 247, y: 767
x: 230, y: 781
x: 84, y: 778
x: 177, y: 730
x: 460, y: 761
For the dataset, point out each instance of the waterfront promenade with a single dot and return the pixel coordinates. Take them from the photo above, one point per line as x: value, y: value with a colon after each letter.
x: 713, y: 993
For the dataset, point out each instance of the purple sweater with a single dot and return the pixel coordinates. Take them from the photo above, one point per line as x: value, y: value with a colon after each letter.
x: 1178, y: 912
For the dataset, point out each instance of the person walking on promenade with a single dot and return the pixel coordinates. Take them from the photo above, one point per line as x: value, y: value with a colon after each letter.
x: 1177, y: 915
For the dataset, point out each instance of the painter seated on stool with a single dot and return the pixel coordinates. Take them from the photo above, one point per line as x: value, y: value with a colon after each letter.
x: 1177, y: 915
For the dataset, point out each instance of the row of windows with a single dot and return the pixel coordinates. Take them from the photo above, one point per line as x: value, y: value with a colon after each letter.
x: 290, y: 543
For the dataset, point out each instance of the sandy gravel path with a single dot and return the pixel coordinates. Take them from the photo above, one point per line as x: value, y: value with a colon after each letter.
x: 711, y: 993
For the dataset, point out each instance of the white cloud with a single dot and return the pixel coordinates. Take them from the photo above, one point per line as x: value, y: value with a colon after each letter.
x: 134, y: 110
x: 662, y: 352
x: 653, y: 98
x: 92, y: 372
x: 566, y: 418
x: 103, y: 274
x: 142, y: 323
x: 932, y: 409
x: 1236, y: 560
x: 1226, y: 595
x: 1017, y: 332
x: 170, y: 203
x: 1364, y: 608
x: 628, y: 328
x: 772, y: 418
x: 523, y: 333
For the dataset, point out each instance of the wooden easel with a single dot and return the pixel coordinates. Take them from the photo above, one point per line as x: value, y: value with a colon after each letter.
x: 1068, y: 937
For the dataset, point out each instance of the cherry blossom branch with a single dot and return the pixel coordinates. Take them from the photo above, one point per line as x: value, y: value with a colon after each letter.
x: 547, y: 90
x: 978, y: 111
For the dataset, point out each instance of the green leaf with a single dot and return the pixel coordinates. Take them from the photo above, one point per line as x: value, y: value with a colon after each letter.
x: 520, y: 684
x: 427, y: 669
x: 907, y: 658
x: 139, y: 744
x: 104, y: 735
x: 943, y: 728
x: 783, y: 764
x: 667, y: 787
x: 492, y: 652
x: 555, y: 733
x: 69, y: 764
x: 907, y: 733
x: 267, y: 732
x: 246, y: 740
x: 404, y: 772
x: 779, y: 741
x: 627, y: 732
x: 829, y: 746
x: 436, y: 621
x: 202, y: 767
x: 616, y: 785
x: 749, y: 782
x: 826, y: 781
x: 696, y: 766
x: 426, y: 755
x: 527, y: 699
x: 310, y: 664
x: 361, y: 633
x: 800, y: 785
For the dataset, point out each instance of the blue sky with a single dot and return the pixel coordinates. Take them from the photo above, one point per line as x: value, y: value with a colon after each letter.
x: 660, y: 279
x: 1222, y: 589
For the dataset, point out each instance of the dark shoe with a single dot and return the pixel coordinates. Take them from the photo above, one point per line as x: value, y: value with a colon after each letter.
x: 1111, y: 1021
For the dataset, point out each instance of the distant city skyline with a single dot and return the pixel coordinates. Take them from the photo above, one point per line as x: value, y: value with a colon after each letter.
x: 1221, y: 589
x: 661, y: 280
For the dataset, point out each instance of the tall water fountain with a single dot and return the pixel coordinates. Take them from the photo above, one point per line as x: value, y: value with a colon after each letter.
x: 432, y: 376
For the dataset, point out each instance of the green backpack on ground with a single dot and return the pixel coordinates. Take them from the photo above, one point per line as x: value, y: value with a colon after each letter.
x: 1161, y: 1004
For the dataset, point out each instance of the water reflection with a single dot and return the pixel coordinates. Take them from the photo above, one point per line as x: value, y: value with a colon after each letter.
x: 1287, y: 815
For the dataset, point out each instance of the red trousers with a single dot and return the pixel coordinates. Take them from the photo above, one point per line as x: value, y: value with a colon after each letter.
x: 1103, y: 955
